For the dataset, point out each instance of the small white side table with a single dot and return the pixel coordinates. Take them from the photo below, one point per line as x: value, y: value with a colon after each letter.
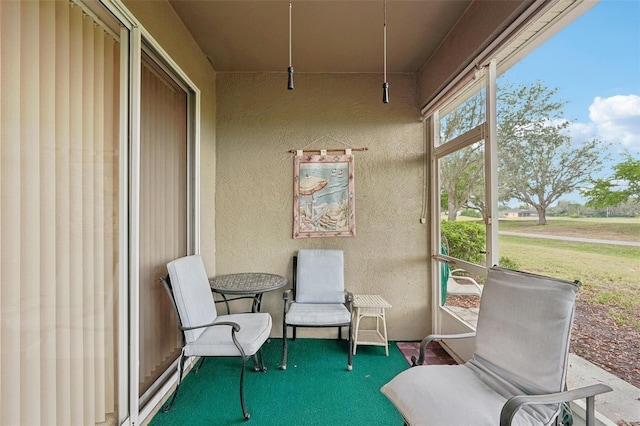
x: 373, y: 306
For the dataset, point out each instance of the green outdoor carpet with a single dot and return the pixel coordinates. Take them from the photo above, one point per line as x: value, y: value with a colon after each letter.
x: 316, y: 388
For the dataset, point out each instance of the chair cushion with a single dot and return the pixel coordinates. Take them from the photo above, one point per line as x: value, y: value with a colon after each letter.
x: 318, y: 314
x: 216, y: 341
x: 192, y: 294
x: 448, y: 395
x: 320, y: 276
x: 524, y: 329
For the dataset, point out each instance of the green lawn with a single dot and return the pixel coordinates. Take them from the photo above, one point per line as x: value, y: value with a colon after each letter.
x: 610, y: 274
x: 622, y: 229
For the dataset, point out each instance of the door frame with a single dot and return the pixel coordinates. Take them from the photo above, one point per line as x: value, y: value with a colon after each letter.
x: 444, y: 320
x: 133, y: 38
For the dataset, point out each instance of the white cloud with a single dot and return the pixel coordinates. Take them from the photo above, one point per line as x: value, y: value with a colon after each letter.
x: 616, y: 120
x: 583, y: 131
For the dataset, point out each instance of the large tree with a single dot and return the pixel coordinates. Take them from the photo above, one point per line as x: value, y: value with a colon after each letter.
x: 539, y: 161
x: 622, y: 187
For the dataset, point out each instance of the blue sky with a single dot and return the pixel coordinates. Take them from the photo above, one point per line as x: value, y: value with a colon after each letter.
x: 595, y: 64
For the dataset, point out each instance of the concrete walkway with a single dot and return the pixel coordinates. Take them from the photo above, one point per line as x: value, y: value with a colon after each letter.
x: 576, y: 239
x: 623, y: 404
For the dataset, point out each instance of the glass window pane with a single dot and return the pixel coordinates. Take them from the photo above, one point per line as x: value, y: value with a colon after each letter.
x: 462, y: 184
x: 462, y: 116
x: 462, y: 228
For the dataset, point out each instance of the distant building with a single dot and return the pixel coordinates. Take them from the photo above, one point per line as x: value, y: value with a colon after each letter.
x: 516, y: 213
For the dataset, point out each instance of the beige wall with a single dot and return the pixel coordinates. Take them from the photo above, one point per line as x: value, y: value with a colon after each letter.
x: 259, y: 121
x: 249, y: 123
x: 159, y: 18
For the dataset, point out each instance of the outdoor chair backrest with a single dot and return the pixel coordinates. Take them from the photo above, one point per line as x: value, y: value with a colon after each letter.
x: 192, y: 294
x: 524, y: 330
x: 320, y: 276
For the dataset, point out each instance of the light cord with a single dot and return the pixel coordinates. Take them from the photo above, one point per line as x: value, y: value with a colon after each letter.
x: 385, y: 39
x: 290, y: 69
x: 290, y: 33
x: 385, y: 85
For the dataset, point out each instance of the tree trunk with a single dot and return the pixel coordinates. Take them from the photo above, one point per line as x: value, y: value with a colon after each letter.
x: 452, y: 211
x: 542, y: 215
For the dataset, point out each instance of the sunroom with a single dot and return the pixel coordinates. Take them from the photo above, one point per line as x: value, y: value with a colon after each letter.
x: 136, y: 132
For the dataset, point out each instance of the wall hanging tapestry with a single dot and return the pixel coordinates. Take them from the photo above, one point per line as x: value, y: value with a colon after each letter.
x: 323, y: 195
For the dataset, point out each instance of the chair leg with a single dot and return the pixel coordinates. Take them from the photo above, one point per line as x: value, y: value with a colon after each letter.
x: 350, y: 356
x: 200, y: 364
x: 181, y: 362
x: 283, y: 366
x: 262, y: 364
x: 591, y: 411
x: 258, y: 361
x: 245, y: 414
x: 355, y: 333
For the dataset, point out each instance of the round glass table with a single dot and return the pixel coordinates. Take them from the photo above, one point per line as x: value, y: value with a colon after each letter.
x: 246, y: 285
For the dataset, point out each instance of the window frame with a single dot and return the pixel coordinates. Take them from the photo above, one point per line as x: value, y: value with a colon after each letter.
x: 534, y: 26
x: 486, y: 132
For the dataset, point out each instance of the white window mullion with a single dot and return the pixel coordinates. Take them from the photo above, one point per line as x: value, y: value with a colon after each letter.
x: 491, y: 167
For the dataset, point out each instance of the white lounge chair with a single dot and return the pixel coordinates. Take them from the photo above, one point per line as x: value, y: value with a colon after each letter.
x: 517, y: 374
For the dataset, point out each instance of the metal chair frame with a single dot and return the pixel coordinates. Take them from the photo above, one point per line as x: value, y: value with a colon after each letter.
x: 235, y: 327
x: 290, y: 296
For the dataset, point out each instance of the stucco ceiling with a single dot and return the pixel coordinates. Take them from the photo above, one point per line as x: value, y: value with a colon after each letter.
x: 328, y: 35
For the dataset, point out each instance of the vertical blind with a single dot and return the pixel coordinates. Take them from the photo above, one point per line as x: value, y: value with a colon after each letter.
x: 163, y: 212
x: 59, y: 85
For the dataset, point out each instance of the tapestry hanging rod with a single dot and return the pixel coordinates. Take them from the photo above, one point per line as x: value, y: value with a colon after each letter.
x: 294, y: 151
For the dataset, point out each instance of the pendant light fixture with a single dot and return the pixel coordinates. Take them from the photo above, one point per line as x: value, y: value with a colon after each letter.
x: 385, y: 85
x: 290, y: 69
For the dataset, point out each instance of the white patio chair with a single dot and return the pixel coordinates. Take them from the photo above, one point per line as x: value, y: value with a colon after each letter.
x: 518, y: 371
x: 204, y: 332
x: 461, y: 285
x: 318, y: 297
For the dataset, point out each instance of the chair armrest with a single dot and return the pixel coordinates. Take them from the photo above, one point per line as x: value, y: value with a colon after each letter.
x: 589, y: 392
x: 234, y: 325
x: 464, y: 278
x: 348, y: 297
x: 287, y: 295
x: 431, y: 337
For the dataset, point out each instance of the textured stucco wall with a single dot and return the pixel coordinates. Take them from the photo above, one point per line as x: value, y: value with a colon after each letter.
x: 259, y: 121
